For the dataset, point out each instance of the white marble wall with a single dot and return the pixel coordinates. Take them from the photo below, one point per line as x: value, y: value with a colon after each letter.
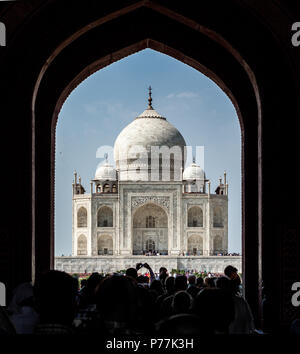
x: 168, y: 196
x: 114, y: 263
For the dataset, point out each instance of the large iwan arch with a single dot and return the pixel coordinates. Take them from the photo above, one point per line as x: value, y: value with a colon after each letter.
x: 150, y: 229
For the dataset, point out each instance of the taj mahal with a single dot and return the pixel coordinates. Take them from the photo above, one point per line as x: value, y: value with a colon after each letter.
x: 149, y: 207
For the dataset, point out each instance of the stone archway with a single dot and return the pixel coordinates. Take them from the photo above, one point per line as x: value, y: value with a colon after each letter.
x: 243, y: 65
x: 105, y: 245
x: 195, y: 216
x: 82, y: 217
x: 217, y: 245
x: 195, y: 245
x: 150, y: 229
x: 105, y: 217
x: 82, y: 245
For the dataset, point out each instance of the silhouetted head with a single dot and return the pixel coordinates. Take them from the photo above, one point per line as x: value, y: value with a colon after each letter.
x: 162, y: 277
x: 132, y: 272
x: 117, y: 298
x: 234, y: 284
x: 230, y: 272
x: 192, y: 279
x: 199, y: 282
x: 215, y: 307
x: 193, y: 290
x: 181, y: 302
x: 180, y: 282
x: 170, y: 282
x: 55, y: 294
x: 157, y: 286
x: 223, y: 283
x: 91, y: 284
x: 163, y: 270
x: 209, y: 282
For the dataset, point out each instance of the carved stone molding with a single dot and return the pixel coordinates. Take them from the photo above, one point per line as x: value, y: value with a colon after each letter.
x: 139, y: 201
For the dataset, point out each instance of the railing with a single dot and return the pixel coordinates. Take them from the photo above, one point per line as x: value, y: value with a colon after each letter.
x: 148, y: 253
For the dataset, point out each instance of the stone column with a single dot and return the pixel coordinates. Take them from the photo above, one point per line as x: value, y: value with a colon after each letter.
x: 90, y: 227
x: 117, y: 228
x: 208, y: 226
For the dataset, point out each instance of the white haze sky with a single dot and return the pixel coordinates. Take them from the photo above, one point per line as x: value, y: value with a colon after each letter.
x: 106, y: 102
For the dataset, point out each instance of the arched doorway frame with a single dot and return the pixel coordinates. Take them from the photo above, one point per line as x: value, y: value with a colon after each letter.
x: 69, y: 80
x: 169, y: 219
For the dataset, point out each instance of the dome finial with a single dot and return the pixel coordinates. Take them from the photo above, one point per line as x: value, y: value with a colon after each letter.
x: 150, y: 98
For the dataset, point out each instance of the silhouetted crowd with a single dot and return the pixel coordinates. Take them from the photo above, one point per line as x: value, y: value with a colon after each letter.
x: 129, y: 304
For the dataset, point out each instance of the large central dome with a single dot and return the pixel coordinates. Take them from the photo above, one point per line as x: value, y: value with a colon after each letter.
x: 147, y: 130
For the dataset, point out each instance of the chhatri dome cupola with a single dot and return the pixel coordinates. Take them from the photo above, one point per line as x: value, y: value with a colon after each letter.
x: 194, y: 179
x: 106, y: 172
x: 105, y: 180
x: 140, y: 147
x: 193, y: 172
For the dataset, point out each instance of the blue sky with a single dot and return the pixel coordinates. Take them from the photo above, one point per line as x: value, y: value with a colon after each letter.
x: 101, y: 106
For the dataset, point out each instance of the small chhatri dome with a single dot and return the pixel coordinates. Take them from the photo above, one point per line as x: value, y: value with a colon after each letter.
x: 193, y: 172
x: 106, y: 172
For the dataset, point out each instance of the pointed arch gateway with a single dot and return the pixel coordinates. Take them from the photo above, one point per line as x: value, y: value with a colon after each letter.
x: 82, y: 217
x: 195, y: 217
x: 105, y: 245
x: 105, y: 217
x: 217, y: 245
x: 150, y: 230
x: 195, y: 245
x: 231, y: 73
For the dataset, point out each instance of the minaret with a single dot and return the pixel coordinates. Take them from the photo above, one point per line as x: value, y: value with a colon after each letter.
x: 77, y: 187
x: 75, y: 177
x: 74, y: 184
x: 225, y: 183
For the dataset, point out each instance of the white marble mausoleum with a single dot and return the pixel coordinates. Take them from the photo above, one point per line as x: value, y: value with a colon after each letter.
x: 149, y: 203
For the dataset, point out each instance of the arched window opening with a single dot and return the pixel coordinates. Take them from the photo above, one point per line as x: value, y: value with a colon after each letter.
x: 98, y: 189
x: 105, y: 245
x: 82, y: 245
x: 218, y: 245
x: 150, y: 221
x: 150, y: 245
x: 218, y: 218
x: 195, y: 245
x: 106, y: 188
x: 195, y: 217
x: 105, y: 217
x: 114, y: 188
x: 82, y: 217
